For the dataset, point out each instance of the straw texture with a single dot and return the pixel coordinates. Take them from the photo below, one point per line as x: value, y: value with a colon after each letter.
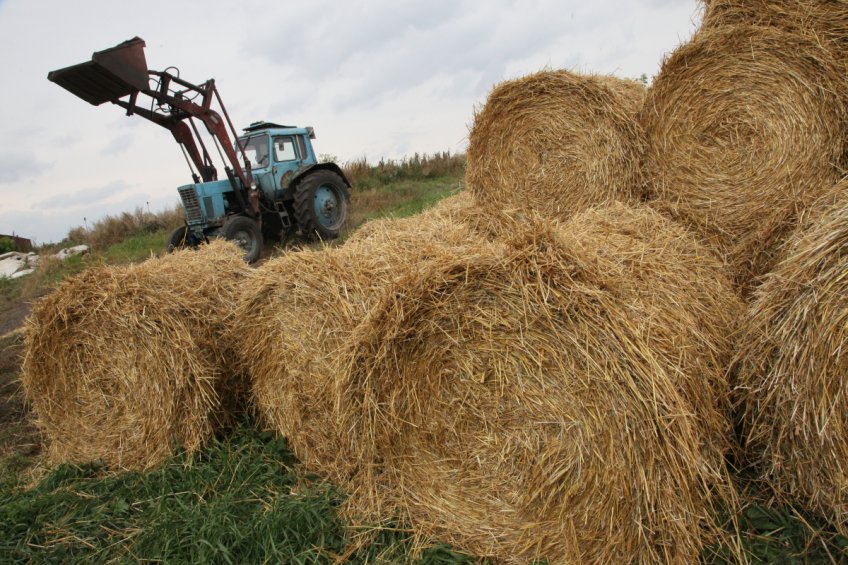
x: 793, y: 367
x: 126, y: 364
x: 745, y: 128
x: 556, y: 143
x: 822, y: 21
x: 561, y: 396
x: 296, y: 317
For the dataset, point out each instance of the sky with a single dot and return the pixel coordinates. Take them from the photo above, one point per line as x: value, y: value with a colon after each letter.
x: 375, y: 78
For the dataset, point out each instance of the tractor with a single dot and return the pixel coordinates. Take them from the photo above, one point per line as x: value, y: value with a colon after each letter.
x: 274, y: 183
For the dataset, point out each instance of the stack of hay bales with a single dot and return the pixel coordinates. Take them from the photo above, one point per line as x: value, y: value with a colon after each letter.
x: 126, y: 364
x: 744, y: 128
x: 296, y: 316
x: 793, y: 368
x: 556, y: 143
x: 561, y: 396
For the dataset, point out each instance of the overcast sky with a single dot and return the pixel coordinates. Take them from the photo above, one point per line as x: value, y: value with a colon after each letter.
x: 375, y: 78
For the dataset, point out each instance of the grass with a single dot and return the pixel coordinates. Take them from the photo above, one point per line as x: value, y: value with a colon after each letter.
x: 775, y: 534
x: 242, y: 501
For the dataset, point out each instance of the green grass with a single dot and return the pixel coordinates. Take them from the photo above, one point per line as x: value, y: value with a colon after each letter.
x: 241, y: 501
x: 136, y: 248
x: 400, y: 198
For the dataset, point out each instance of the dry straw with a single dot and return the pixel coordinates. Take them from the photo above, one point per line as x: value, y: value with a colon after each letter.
x: 559, y: 397
x: 744, y: 129
x: 296, y: 316
x: 556, y: 142
x: 443, y: 221
x: 126, y: 364
x: 822, y: 21
x: 793, y: 367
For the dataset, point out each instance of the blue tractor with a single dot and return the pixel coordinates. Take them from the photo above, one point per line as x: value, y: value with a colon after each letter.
x: 274, y: 183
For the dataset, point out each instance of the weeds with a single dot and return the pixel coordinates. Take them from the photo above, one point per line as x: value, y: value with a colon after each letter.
x: 364, y: 176
x: 241, y: 501
x: 779, y: 534
x: 111, y: 230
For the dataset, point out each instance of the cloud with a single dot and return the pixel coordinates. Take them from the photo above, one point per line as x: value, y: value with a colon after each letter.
x: 84, y: 197
x: 46, y: 225
x: 117, y: 145
x: 15, y: 167
x: 371, y: 54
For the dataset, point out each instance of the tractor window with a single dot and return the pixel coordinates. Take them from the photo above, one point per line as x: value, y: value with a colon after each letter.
x: 302, y: 147
x: 284, y: 149
x: 256, y: 149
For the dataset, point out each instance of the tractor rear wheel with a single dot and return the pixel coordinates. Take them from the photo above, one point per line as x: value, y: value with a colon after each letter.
x: 320, y: 203
x: 245, y: 233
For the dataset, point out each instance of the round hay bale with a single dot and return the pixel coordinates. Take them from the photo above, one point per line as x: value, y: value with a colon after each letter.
x: 556, y: 143
x: 561, y: 397
x: 792, y: 368
x: 125, y: 364
x: 823, y: 21
x: 294, y: 322
x: 744, y: 129
x: 295, y: 314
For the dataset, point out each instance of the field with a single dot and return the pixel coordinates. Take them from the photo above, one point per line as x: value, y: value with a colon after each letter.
x: 244, y: 498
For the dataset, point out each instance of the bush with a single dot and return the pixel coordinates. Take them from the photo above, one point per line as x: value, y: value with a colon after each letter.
x: 364, y: 175
x: 7, y: 244
x: 114, y: 229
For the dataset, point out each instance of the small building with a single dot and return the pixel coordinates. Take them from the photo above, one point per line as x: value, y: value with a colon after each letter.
x: 22, y: 244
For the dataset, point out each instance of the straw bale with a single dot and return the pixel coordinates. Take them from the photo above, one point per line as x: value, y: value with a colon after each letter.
x: 295, y: 313
x: 443, y: 221
x: 556, y: 142
x: 744, y: 129
x: 125, y: 364
x: 561, y: 396
x: 793, y: 367
x: 295, y: 319
x: 822, y: 21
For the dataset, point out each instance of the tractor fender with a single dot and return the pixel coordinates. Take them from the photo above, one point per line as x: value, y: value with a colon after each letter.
x: 318, y: 167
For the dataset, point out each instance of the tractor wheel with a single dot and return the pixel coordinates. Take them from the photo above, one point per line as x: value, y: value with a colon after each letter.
x: 180, y: 239
x: 245, y: 233
x: 320, y: 203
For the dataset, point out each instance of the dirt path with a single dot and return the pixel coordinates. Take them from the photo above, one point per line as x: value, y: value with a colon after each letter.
x: 17, y: 434
x: 12, y: 315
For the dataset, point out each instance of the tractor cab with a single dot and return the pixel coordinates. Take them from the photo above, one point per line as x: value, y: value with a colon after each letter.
x: 277, y: 154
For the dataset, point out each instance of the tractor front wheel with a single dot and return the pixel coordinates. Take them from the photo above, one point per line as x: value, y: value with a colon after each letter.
x: 245, y: 233
x: 320, y: 202
x: 180, y: 238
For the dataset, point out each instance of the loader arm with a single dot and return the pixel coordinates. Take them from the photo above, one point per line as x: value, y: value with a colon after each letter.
x: 120, y: 75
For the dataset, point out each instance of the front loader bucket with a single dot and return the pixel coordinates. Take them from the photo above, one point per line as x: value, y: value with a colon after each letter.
x: 110, y: 75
